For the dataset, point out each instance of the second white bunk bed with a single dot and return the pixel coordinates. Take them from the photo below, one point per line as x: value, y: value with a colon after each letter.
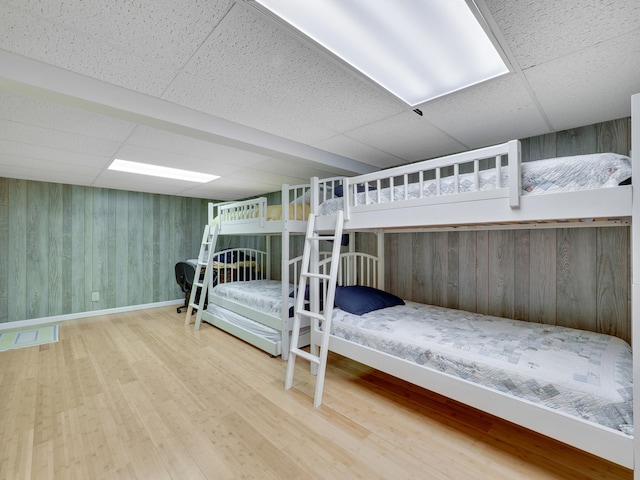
x: 246, y: 301
x: 491, y: 188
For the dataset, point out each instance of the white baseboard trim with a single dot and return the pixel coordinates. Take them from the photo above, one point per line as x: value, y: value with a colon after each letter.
x: 93, y: 313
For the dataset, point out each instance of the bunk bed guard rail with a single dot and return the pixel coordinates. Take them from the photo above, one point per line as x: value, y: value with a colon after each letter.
x: 411, y: 182
x: 249, y: 210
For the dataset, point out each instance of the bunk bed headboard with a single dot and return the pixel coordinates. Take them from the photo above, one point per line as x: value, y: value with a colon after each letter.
x: 358, y: 269
x: 355, y: 268
x: 240, y: 264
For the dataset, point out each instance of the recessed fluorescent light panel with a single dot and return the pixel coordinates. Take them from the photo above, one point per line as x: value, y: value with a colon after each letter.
x: 156, y: 171
x: 416, y: 49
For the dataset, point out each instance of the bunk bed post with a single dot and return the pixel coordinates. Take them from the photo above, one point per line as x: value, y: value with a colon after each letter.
x: 268, y: 249
x: 514, y: 159
x: 380, y: 254
x: 315, y: 195
x: 284, y: 274
x: 635, y: 272
x: 284, y: 201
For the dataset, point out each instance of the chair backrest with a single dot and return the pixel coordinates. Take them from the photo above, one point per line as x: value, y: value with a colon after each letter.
x: 184, y: 275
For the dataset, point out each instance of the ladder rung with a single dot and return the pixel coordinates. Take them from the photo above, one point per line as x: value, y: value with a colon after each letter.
x: 323, y: 276
x: 310, y: 314
x: 204, y: 264
x: 198, y: 284
x: 194, y: 305
x: 306, y: 355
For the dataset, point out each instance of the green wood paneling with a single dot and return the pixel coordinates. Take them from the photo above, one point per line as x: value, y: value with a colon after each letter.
x: 150, y: 250
x: 501, y: 273
x: 17, y: 287
x: 614, y: 279
x: 453, y: 270
x: 80, y: 254
x: 121, y: 250
x: 55, y: 254
x: 89, y: 262
x: 482, y: 271
x: 467, y: 271
x: 59, y: 243
x: 521, y: 282
x: 100, y: 249
x: 135, y: 251
x: 576, y: 277
x: 4, y: 250
x: 542, y: 276
x: 37, y: 249
x: 66, y: 279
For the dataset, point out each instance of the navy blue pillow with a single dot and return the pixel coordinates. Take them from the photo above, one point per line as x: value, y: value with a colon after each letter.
x: 358, y: 299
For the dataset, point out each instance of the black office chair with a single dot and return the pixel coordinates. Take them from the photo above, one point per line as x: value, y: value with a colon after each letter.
x: 184, y: 276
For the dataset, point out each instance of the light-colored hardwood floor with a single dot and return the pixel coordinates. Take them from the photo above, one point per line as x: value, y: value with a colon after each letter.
x: 141, y: 396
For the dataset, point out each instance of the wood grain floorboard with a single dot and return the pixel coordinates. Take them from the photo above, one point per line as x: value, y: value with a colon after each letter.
x: 138, y: 395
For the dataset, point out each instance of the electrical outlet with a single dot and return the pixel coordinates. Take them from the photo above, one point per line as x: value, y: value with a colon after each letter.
x: 95, y: 297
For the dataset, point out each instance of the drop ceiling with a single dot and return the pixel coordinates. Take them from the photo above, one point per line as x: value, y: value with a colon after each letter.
x: 216, y: 87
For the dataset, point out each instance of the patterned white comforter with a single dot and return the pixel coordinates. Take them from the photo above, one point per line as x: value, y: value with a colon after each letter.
x: 564, y: 174
x: 263, y: 295
x: 581, y: 373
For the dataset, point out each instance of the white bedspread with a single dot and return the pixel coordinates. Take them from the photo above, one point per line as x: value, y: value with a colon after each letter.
x: 581, y: 373
x: 563, y: 174
x: 263, y: 295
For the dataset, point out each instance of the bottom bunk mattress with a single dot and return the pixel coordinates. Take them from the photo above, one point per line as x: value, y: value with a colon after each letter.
x: 584, y: 374
x: 260, y: 303
x: 261, y: 295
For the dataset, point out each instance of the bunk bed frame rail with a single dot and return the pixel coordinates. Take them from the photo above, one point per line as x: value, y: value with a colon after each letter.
x: 471, y: 163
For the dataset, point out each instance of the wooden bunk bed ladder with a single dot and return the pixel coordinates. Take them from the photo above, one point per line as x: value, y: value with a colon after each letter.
x: 203, y: 276
x: 313, y: 275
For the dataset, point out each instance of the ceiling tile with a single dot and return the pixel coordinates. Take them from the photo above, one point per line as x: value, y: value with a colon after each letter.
x: 349, y: 147
x: 257, y: 72
x: 55, y: 156
x: 159, y: 147
x: 50, y: 169
x: 35, y: 136
x: 596, y: 84
x: 407, y: 136
x: 537, y: 32
x: 489, y: 113
x: 57, y: 117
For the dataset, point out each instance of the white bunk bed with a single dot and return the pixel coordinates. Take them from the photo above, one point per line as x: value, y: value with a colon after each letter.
x: 458, y: 192
x: 265, y: 321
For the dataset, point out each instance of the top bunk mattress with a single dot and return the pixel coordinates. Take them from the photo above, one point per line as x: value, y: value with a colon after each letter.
x: 562, y: 174
x: 584, y: 374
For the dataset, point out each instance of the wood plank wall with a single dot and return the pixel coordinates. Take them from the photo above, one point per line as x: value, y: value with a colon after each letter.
x: 59, y: 243
x: 575, y: 277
